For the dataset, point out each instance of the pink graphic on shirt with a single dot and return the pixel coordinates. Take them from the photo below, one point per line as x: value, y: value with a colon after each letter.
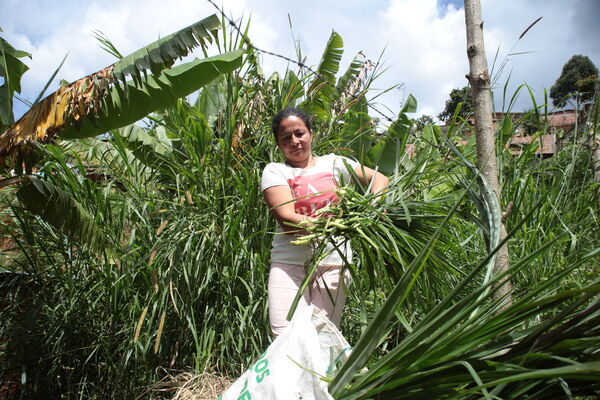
x: 313, y: 192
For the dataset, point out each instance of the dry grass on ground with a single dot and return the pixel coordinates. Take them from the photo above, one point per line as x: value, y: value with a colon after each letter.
x: 188, y: 386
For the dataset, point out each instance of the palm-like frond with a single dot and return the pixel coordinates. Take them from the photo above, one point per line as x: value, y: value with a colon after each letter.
x: 387, y: 152
x: 141, y: 141
x: 210, y: 98
x: 97, y: 103
x: 95, y: 152
x: 459, y: 351
x: 59, y: 209
x: 42, y: 122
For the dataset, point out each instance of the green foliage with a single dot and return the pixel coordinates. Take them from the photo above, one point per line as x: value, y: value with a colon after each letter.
x: 193, y: 247
x: 344, y: 89
x: 11, y: 71
x: 389, y: 150
x: 458, y: 97
x: 458, y: 351
x: 559, y: 193
x: 577, y: 80
x: 468, y: 345
x: 56, y: 207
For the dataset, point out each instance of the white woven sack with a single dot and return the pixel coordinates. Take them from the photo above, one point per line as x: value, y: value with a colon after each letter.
x: 311, y: 347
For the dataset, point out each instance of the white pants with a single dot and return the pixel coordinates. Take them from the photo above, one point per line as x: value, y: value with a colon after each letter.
x: 325, y: 291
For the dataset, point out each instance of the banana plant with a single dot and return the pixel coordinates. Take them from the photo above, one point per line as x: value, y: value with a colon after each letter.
x: 106, y: 100
x: 323, y: 85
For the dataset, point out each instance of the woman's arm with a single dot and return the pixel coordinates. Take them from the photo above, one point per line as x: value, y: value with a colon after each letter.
x: 280, y: 201
x: 366, y: 175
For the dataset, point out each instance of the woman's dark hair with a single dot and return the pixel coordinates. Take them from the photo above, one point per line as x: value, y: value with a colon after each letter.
x: 290, y: 112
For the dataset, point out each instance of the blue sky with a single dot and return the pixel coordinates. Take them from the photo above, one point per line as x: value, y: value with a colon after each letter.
x: 422, y: 41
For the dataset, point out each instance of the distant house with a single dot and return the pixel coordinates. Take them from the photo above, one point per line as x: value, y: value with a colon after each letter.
x: 560, y: 124
x: 546, y: 144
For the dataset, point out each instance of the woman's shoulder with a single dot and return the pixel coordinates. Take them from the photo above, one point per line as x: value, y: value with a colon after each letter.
x: 275, y: 166
x: 337, y: 159
x: 331, y: 157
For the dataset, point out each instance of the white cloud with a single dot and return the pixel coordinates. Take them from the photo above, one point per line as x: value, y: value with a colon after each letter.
x: 425, y: 44
x: 426, y: 50
x: 537, y: 58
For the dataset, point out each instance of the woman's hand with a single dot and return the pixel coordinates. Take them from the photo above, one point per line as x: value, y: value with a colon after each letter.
x: 376, y: 179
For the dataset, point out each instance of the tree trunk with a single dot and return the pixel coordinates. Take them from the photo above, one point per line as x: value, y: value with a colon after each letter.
x: 481, y: 93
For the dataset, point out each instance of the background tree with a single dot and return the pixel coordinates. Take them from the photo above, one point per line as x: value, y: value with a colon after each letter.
x: 421, y: 122
x: 577, y: 80
x: 457, y: 96
x: 578, y: 83
x: 531, y: 122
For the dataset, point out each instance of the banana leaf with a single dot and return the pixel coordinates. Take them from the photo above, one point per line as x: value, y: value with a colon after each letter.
x: 154, y: 94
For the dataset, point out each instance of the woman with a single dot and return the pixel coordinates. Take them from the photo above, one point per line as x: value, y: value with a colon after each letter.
x: 294, y: 191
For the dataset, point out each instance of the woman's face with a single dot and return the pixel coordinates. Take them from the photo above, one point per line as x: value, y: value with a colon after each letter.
x: 295, y: 141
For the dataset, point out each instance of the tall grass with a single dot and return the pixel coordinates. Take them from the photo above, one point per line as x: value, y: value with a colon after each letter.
x: 542, y: 346
x: 184, y: 288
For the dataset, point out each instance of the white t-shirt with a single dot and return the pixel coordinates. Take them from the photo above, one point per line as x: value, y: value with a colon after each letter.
x: 314, y: 188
